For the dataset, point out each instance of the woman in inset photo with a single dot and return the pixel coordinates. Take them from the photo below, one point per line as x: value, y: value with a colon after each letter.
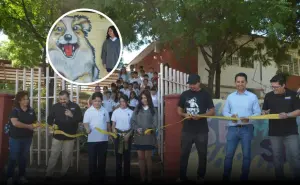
x: 111, y: 49
x: 144, y: 117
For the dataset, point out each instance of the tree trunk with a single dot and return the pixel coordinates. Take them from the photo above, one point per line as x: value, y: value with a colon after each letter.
x: 218, y: 80
x: 211, y: 76
x: 51, y: 81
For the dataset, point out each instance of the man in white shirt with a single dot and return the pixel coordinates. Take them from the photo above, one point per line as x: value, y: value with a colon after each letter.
x: 125, y: 89
x: 97, y: 116
x: 136, y: 78
x: 121, y: 125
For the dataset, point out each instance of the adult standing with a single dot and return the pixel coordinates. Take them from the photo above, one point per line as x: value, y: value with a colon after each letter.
x: 193, y: 102
x: 143, y: 118
x: 20, y: 136
x: 283, y: 132
x: 97, y: 116
x: 121, y: 126
x: 66, y: 115
x: 242, y: 104
x: 111, y: 49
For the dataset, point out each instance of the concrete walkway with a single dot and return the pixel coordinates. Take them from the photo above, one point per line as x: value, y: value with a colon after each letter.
x: 35, y: 174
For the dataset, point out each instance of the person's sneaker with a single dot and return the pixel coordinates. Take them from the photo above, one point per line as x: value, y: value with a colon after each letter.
x: 23, y: 180
x: 10, y: 181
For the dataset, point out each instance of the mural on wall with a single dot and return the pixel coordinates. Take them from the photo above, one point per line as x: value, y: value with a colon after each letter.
x: 261, y: 165
x: 75, y: 45
x: 70, y: 50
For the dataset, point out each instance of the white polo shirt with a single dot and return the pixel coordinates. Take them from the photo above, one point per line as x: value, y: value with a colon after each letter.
x: 122, y: 118
x: 96, y: 118
x: 133, y: 102
x: 126, y: 92
x: 108, y: 105
x: 155, y: 100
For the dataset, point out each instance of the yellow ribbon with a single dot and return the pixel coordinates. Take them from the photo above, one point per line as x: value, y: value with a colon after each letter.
x: 261, y: 117
x: 106, y: 132
x: 55, y: 130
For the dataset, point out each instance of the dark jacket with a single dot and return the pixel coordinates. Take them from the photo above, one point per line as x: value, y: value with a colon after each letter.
x: 65, y: 123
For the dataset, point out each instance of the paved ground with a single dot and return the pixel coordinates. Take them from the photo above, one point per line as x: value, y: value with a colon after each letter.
x: 36, y: 174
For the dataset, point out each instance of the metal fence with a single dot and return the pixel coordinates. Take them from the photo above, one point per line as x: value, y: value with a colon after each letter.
x: 39, y: 96
x: 170, y: 81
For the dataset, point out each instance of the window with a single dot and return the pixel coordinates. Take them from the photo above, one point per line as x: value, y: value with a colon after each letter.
x: 248, y: 63
x: 292, y: 66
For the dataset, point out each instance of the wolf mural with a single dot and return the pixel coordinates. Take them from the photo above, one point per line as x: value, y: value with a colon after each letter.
x: 70, y: 51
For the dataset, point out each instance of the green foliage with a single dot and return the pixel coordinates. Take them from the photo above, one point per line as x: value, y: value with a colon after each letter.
x: 26, y: 23
x: 216, y: 26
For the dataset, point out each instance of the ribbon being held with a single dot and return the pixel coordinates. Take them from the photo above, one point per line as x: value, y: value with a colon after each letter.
x: 261, y: 117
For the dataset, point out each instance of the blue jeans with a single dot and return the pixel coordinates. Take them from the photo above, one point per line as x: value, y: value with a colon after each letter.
x: 18, y: 152
x: 234, y: 135
x: 291, y: 144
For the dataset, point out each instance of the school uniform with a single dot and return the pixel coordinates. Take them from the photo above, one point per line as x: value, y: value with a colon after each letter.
x: 126, y: 92
x: 133, y: 103
x: 97, y: 142
x: 122, y: 149
x: 108, y: 105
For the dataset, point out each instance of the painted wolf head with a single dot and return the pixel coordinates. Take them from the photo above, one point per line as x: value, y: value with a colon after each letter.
x: 70, y: 51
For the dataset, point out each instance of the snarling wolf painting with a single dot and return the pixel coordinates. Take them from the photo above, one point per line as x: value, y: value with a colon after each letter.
x: 70, y: 51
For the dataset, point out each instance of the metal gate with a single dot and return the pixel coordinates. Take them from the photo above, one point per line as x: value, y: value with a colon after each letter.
x: 38, y: 86
x: 170, y: 81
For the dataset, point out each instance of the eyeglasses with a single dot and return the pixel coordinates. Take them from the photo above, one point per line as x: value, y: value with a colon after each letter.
x: 275, y: 87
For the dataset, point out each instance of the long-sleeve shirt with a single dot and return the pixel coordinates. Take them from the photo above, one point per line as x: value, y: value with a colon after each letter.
x: 65, y: 123
x: 243, y: 105
x: 145, y: 120
x: 110, y: 53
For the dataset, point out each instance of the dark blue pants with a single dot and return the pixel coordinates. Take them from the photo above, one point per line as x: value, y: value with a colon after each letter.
x: 18, y: 153
x: 108, y: 70
x: 243, y: 134
x: 97, y: 160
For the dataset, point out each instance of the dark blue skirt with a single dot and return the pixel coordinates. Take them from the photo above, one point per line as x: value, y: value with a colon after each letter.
x: 143, y: 147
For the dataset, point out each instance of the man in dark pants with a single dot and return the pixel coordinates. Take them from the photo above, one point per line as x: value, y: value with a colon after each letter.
x: 193, y: 102
x: 283, y: 132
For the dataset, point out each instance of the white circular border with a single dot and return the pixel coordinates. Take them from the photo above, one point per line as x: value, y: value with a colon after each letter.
x: 121, y: 47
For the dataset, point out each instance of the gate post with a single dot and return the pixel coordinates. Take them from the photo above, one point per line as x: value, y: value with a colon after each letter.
x: 6, y: 104
x: 172, y: 138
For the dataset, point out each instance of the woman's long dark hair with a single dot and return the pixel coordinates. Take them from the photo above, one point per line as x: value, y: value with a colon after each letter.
x: 149, y: 100
x: 114, y: 30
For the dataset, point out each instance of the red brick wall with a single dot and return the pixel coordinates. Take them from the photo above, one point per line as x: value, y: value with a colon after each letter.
x: 188, y: 65
x: 293, y: 82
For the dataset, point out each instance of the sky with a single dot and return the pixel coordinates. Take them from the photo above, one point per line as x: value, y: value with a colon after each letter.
x: 128, y: 56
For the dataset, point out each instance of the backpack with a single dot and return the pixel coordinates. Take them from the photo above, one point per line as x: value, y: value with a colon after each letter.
x: 8, y: 125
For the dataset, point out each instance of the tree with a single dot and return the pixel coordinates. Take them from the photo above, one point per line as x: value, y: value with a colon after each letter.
x: 4, y: 52
x: 213, y: 26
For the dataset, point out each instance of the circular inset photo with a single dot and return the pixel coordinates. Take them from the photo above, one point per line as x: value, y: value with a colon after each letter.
x: 84, y: 46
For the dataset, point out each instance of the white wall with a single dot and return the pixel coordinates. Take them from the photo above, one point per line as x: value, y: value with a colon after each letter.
x: 229, y: 72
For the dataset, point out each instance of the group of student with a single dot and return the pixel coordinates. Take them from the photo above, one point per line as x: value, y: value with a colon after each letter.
x: 241, y: 104
x: 129, y: 125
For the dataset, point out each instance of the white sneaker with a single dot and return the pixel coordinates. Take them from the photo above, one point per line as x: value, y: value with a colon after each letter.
x: 10, y: 181
x: 23, y: 180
